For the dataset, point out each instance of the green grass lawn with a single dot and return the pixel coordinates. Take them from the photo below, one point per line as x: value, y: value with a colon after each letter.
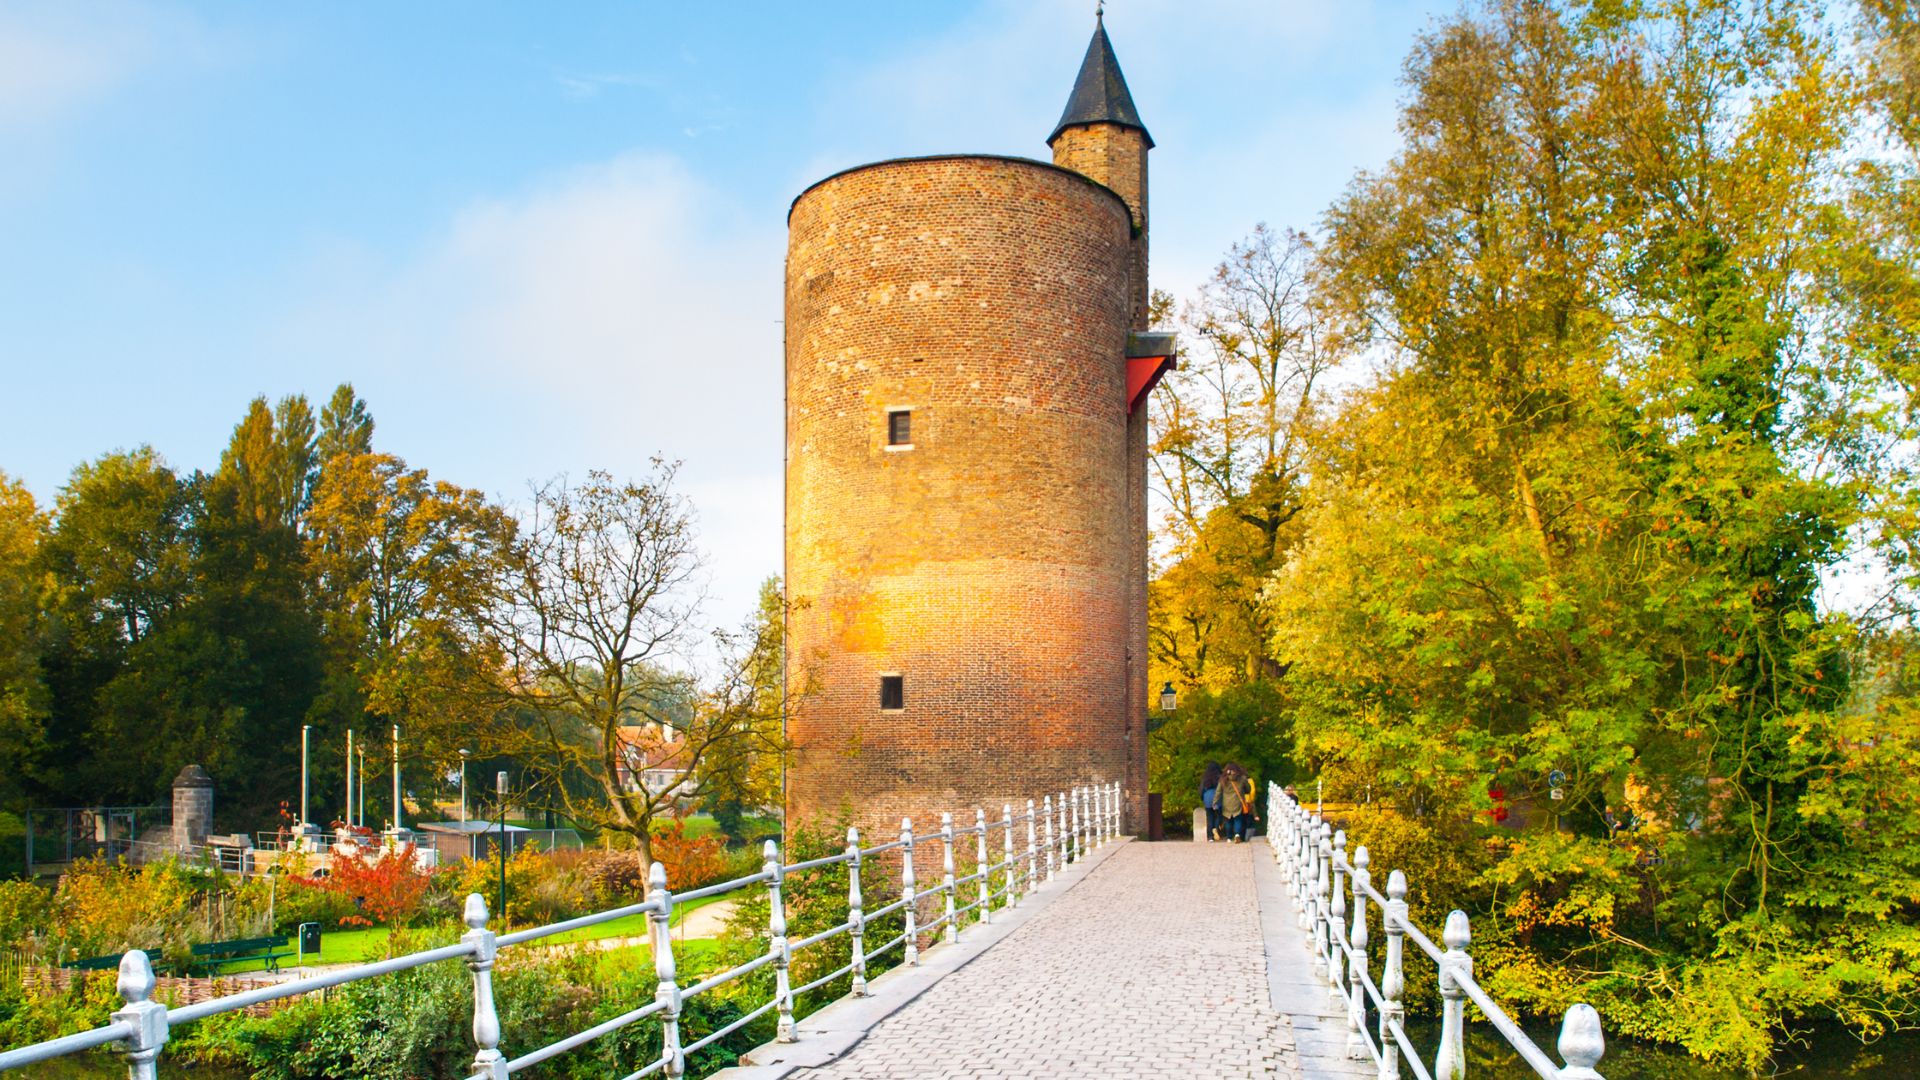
x: 360, y: 946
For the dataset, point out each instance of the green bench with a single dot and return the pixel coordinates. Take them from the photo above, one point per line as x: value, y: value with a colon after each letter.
x: 110, y: 962
x: 213, y: 954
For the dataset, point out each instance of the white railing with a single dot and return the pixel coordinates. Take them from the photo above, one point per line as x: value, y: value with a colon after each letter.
x: 1313, y: 859
x: 1059, y: 832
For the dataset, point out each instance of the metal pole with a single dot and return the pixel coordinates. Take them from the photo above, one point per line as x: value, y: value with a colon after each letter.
x: 396, y: 786
x: 463, y: 792
x: 500, y: 786
x: 361, y: 775
x: 346, y: 815
x: 306, y: 738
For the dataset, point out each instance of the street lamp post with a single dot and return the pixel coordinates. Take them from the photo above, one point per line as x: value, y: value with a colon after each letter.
x: 463, y: 790
x: 346, y: 813
x: 500, y: 786
x: 306, y: 738
x: 396, y: 781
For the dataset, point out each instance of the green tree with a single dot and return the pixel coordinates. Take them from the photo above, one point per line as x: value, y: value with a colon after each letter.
x: 23, y: 697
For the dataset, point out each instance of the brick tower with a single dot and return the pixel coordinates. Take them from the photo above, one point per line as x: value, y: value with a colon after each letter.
x: 966, y: 543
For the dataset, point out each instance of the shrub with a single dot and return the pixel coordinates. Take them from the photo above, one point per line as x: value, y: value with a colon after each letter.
x: 26, y: 910
x: 386, y: 889
x: 690, y: 862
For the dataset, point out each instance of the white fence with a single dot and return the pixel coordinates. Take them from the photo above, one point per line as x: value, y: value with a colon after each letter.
x: 1313, y: 858
x: 1056, y: 833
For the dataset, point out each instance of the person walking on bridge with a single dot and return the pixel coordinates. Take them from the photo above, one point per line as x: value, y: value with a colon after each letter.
x: 1210, y: 799
x: 1232, y: 795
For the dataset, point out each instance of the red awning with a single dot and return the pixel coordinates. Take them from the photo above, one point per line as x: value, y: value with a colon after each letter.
x: 1143, y: 374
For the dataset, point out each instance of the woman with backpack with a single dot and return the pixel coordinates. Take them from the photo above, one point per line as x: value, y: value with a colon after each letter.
x: 1232, y: 796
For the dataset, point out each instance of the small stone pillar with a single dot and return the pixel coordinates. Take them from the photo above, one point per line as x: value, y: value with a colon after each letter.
x: 192, y: 808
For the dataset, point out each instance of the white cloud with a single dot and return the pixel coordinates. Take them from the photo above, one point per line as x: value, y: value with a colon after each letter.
x: 57, y: 58
x: 607, y: 314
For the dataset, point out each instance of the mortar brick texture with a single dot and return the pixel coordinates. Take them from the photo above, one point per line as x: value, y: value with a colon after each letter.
x: 999, y: 564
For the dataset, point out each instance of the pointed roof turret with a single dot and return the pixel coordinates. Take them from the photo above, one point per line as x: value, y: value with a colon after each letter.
x: 1100, y: 93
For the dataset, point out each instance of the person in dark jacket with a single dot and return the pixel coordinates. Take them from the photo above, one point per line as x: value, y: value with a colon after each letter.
x: 1210, y: 799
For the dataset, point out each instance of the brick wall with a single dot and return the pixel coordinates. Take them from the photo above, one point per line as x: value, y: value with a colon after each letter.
x: 994, y: 565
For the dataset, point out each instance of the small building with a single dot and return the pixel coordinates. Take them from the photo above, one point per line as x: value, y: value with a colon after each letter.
x: 479, y: 839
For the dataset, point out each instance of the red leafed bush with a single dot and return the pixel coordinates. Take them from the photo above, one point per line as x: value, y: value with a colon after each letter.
x: 387, y: 888
x: 690, y: 862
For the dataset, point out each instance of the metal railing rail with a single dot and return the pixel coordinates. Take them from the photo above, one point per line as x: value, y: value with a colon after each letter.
x: 1313, y: 860
x: 1072, y: 824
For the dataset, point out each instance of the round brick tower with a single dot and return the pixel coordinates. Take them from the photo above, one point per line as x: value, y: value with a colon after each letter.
x: 966, y: 526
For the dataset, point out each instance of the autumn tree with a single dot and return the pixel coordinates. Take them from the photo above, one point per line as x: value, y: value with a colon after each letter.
x: 406, y: 572
x: 597, y: 630
x: 23, y: 699
x: 1230, y: 457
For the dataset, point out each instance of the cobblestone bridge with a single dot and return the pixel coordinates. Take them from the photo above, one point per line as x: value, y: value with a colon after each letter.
x: 1159, y: 960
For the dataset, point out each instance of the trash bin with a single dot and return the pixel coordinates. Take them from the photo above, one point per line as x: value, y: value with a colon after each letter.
x: 309, y: 939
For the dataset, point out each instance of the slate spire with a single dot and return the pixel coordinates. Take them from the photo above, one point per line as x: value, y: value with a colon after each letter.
x: 1100, y: 93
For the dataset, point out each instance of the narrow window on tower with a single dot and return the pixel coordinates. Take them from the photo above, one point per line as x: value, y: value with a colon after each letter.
x: 893, y: 693
x: 899, y: 429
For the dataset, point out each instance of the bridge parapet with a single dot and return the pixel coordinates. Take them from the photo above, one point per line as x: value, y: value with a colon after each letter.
x: 1313, y: 860
x: 142, y: 1026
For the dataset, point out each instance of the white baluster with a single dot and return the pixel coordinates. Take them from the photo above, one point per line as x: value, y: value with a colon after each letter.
x: 1317, y: 914
x: 946, y: 881
x: 1033, y: 853
x: 488, y: 1061
x: 777, y: 939
x: 1450, y: 1063
x: 1073, y: 826
x: 980, y: 864
x: 911, y: 943
x: 1581, y: 1043
x: 1009, y: 877
x: 856, y: 917
x: 147, y: 1017
x: 1337, y: 923
x: 1046, y: 809
x: 1357, y: 964
x: 1392, y: 976
x: 1060, y: 808
x: 667, y: 993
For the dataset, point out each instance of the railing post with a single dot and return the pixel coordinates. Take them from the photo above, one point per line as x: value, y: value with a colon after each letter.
x: 1033, y: 853
x: 1450, y: 1063
x: 946, y: 882
x: 1303, y: 857
x: 1046, y: 807
x: 1060, y: 808
x: 147, y: 1017
x: 1009, y: 874
x: 777, y: 940
x: 488, y: 1061
x: 910, y: 946
x: 1337, y: 923
x: 856, y: 918
x: 1392, y: 975
x: 1581, y: 1044
x: 981, y: 866
x: 1323, y: 838
x: 1072, y: 852
x: 1357, y: 963
x: 667, y: 993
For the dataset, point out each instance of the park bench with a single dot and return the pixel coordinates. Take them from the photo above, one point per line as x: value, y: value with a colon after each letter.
x: 109, y: 962
x: 211, y: 955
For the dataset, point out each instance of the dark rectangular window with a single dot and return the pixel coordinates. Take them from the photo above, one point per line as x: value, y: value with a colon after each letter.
x: 893, y: 692
x: 899, y: 427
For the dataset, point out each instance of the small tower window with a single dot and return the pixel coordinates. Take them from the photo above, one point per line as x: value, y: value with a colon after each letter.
x: 899, y: 429
x: 893, y: 693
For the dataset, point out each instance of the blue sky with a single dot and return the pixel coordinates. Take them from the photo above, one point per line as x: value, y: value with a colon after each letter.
x: 544, y: 238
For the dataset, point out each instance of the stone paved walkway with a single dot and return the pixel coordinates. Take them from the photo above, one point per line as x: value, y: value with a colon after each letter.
x: 1153, y: 966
